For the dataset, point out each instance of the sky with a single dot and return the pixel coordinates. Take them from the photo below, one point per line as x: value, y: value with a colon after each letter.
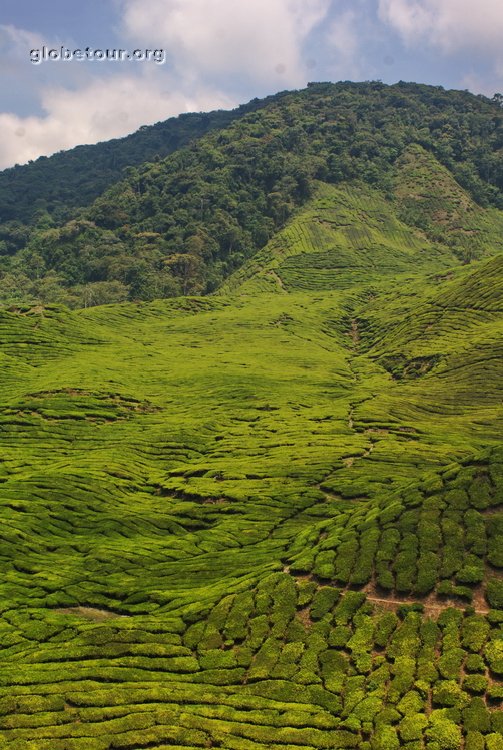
x: 213, y: 54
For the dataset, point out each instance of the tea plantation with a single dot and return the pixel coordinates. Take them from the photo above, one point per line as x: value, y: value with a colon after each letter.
x: 269, y: 518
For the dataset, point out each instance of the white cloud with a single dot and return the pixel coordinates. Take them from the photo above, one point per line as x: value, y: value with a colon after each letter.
x: 410, y: 18
x: 101, y: 110
x: 344, y: 37
x: 216, y: 51
x: 16, y: 71
x: 12, y: 38
x: 258, y: 40
x: 450, y: 25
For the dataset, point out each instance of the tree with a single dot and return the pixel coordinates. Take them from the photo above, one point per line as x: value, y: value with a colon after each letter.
x: 187, y: 268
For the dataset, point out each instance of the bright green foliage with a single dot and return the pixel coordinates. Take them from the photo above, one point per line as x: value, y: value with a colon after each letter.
x: 444, y: 733
x: 251, y: 520
x: 494, y: 741
x: 411, y: 727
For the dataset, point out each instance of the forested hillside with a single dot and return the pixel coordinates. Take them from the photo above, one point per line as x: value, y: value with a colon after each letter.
x: 183, y: 224
x: 69, y: 179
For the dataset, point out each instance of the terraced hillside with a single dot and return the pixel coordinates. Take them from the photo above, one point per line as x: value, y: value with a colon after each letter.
x: 270, y: 518
x: 177, y: 208
x: 347, y: 235
x: 353, y: 234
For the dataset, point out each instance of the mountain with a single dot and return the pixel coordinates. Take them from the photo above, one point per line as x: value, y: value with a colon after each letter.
x: 185, y: 223
x: 270, y: 517
x: 74, y: 178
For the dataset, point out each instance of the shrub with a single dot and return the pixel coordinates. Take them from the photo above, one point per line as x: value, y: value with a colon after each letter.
x: 475, y: 683
x: 472, y: 571
x: 379, y: 678
x: 412, y: 726
x: 404, y: 609
x: 339, y: 636
x: 475, y: 663
x: 476, y: 717
x: 474, y: 632
x: 427, y: 573
x: 474, y: 741
x: 385, y: 738
x: 384, y: 628
x: 367, y: 709
x: 348, y: 606
x: 494, y: 594
x: 448, y: 693
x: 494, y: 656
x: 445, y: 733
x: 404, y: 566
x: 259, y: 629
x: 497, y: 721
x: 306, y: 590
x: 494, y: 741
x: 334, y: 667
x: 323, y: 601
x: 495, y: 692
x: 411, y: 703
x: 449, y: 664
x: 404, y: 670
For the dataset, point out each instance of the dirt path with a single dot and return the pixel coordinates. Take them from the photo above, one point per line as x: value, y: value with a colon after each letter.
x: 432, y: 606
x: 90, y: 613
x: 354, y: 333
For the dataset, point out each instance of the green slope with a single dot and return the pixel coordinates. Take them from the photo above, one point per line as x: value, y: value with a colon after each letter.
x: 218, y: 513
x: 58, y: 184
x: 345, y: 236
x: 270, y: 517
x: 428, y: 197
x: 352, y: 234
x: 182, y: 224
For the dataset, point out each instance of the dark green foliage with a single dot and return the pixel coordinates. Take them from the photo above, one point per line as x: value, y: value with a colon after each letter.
x: 474, y: 741
x: 475, y: 683
x: 476, y: 716
x: 189, y: 200
x: 323, y: 601
x: 495, y: 594
x: 75, y: 178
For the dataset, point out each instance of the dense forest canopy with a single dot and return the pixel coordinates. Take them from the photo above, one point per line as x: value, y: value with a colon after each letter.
x: 74, y: 178
x: 183, y: 223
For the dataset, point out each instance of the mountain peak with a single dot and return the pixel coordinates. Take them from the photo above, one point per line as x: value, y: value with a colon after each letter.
x: 183, y: 222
